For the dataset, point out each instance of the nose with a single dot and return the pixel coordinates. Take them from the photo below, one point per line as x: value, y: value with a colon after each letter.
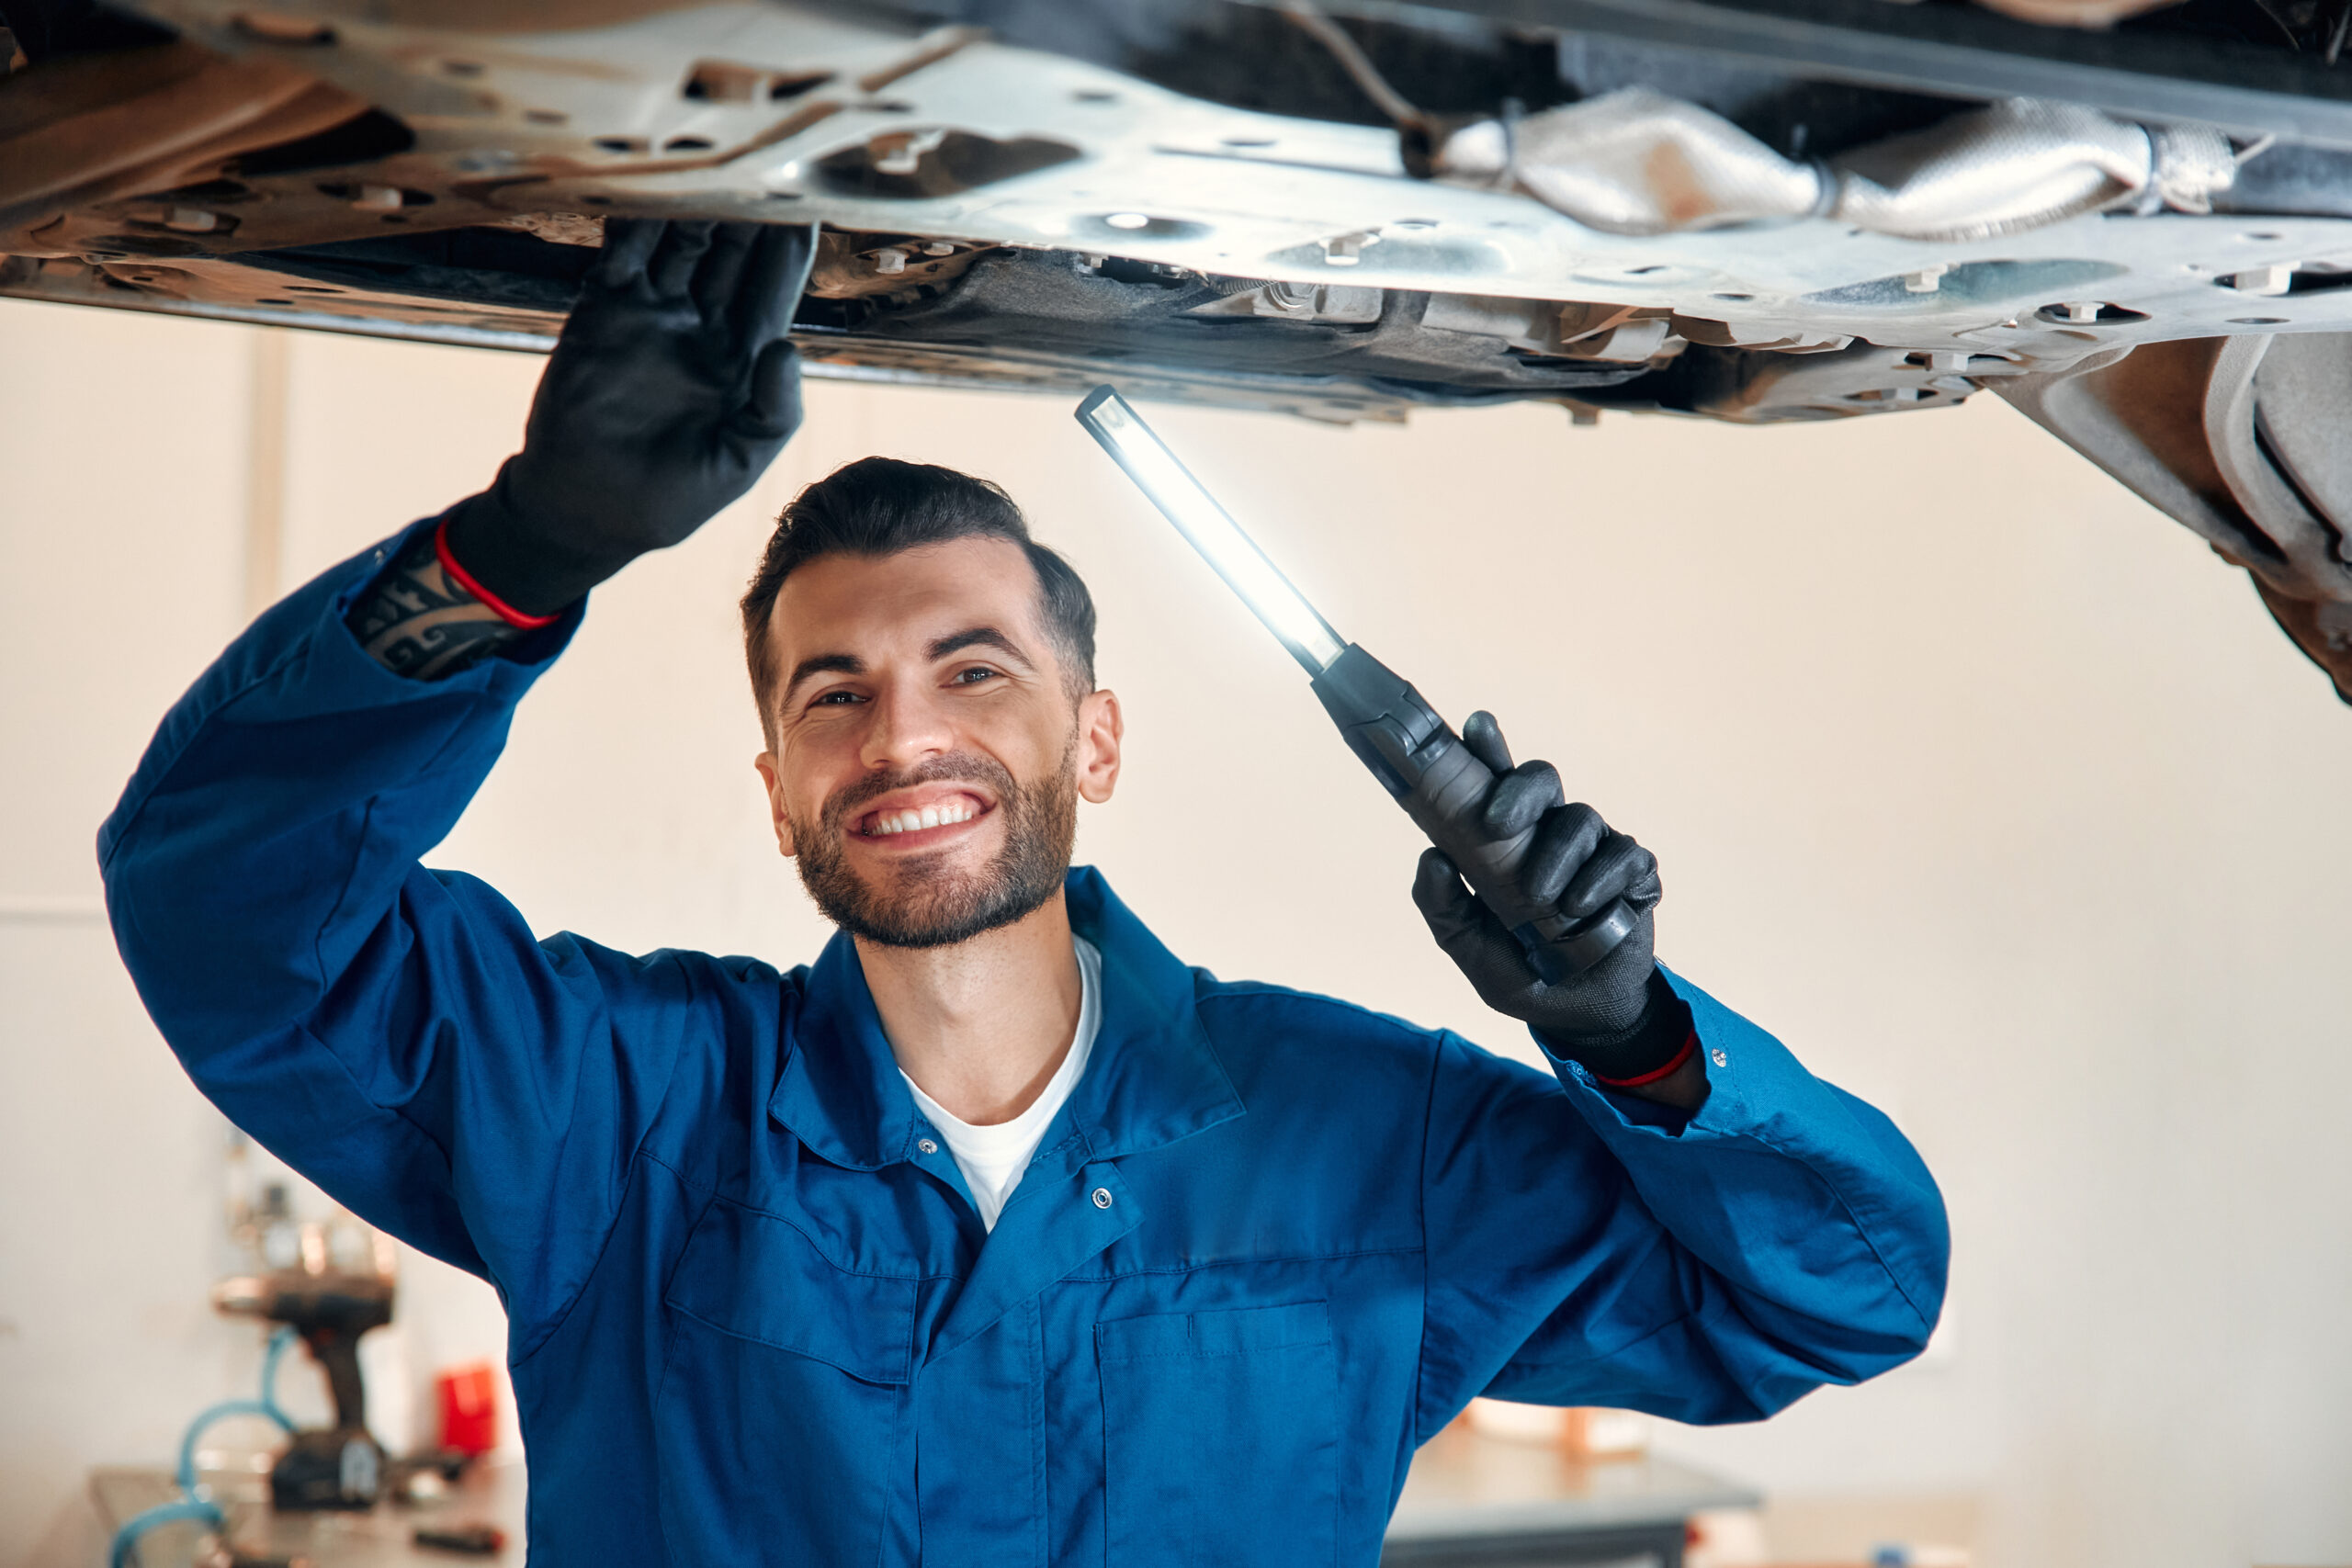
x: 907, y: 725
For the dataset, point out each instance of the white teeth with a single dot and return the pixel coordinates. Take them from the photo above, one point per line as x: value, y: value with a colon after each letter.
x: 914, y: 821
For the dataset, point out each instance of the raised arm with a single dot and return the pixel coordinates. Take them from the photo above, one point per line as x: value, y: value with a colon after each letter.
x: 396, y: 1033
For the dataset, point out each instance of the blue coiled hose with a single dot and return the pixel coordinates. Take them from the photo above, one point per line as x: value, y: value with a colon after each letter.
x: 188, y: 1505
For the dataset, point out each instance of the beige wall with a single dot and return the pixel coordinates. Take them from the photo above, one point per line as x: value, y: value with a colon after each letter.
x: 1983, y: 785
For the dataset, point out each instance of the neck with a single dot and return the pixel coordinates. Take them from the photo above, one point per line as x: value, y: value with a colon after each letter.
x: 982, y: 1025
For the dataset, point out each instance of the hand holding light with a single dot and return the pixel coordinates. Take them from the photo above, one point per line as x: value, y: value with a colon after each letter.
x: 1565, y: 897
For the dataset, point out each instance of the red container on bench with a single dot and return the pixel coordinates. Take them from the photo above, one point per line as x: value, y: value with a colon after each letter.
x: 468, y: 1408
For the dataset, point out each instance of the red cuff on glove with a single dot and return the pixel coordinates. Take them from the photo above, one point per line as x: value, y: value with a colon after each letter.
x: 465, y: 580
x: 1690, y: 1044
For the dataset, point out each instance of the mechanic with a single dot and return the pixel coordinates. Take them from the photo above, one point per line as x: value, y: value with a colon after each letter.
x: 997, y: 1236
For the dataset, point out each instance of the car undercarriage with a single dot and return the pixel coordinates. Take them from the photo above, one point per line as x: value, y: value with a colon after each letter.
x: 2132, y: 222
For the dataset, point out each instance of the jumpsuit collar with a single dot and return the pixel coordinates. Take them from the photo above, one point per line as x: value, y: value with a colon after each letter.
x: 1153, y: 1077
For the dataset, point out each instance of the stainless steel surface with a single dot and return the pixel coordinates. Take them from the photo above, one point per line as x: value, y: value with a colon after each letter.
x: 1957, y: 51
x: 951, y: 138
x: 2021, y: 163
x: 1637, y: 162
x: 1633, y: 161
x: 1464, y: 1483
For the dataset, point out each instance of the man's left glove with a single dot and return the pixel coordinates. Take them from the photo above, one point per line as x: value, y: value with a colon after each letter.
x: 672, y: 389
x: 1620, y: 1017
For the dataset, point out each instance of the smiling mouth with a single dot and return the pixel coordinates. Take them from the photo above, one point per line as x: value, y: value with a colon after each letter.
x: 944, y: 813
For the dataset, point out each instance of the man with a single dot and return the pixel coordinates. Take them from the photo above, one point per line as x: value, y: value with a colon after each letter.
x: 997, y: 1236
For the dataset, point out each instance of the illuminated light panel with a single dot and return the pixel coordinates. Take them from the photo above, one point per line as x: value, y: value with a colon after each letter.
x: 1210, y: 530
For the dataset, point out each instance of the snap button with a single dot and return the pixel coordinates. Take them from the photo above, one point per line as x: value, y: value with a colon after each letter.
x: 1102, y: 1196
x: 927, y: 1146
x: 1720, y: 1057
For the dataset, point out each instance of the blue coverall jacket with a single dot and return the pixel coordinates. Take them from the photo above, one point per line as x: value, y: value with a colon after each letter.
x: 1272, y: 1243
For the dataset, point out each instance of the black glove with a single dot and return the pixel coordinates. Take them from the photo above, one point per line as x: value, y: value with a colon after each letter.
x: 670, y: 391
x: 1620, y: 1017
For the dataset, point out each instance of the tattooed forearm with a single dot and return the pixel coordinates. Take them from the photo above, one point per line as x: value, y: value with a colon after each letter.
x: 414, y: 621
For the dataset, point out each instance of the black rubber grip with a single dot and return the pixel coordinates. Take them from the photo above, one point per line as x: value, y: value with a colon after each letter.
x: 1419, y: 759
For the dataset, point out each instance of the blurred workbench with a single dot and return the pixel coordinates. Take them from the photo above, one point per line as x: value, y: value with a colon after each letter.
x: 383, y: 1537
x: 1475, y: 1499
x: 1472, y: 1500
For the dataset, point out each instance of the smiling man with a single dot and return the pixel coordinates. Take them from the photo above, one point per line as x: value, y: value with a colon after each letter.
x: 996, y: 1237
x: 926, y: 680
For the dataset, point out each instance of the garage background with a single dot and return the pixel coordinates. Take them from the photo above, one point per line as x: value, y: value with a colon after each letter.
x: 1975, y: 780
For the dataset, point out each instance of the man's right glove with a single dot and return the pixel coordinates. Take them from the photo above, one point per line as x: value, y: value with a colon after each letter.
x: 1620, y: 1017
x: 671, y: 389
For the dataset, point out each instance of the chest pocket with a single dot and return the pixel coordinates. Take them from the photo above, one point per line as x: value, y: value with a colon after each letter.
x: 1221, y: 1438
x: 784, y: 1400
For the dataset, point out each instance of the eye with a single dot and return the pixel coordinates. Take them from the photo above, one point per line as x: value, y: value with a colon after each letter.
x: 839, y: 697
x: 974, y: 676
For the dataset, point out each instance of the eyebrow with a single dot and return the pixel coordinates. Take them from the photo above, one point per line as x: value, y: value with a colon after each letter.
x: 939, y: 648
x: 979, y: 637
x: 823, y: 664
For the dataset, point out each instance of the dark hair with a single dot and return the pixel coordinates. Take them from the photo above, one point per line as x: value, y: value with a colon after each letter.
x: 878, y: 506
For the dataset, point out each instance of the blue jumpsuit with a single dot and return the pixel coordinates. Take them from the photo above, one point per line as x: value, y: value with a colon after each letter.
x: 1272, y: 1245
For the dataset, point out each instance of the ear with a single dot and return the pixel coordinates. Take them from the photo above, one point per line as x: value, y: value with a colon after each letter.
x: 1101, y: 727
x: 765, y: 763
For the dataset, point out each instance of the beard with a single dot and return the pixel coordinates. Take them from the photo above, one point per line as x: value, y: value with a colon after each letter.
x: 924, y: 904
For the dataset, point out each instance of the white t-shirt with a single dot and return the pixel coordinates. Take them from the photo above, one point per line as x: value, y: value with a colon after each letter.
x: 994, y: 1158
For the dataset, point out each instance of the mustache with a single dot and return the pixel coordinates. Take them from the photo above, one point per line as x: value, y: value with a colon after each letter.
x: 958, y: 767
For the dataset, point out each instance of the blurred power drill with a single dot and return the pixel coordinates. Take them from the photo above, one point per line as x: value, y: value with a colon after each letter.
x: 341, y: 1467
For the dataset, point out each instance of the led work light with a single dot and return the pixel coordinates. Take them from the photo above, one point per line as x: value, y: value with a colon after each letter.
x: 1396, y: 733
